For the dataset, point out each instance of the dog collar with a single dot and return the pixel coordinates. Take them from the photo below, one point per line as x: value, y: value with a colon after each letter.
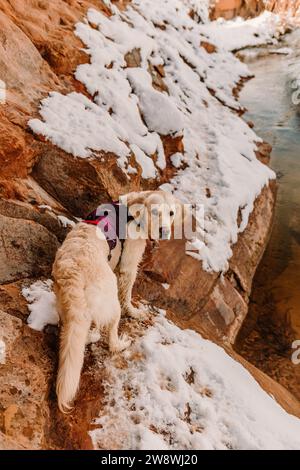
x: 112, y: 219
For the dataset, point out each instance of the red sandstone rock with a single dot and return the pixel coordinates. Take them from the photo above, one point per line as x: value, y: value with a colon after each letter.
x: 230, y: 8
x: 210, y: 48
x: 248, y: 8
x: 39, y: 53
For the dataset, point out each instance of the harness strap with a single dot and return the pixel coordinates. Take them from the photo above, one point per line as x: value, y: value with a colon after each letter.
x: 111, y: 222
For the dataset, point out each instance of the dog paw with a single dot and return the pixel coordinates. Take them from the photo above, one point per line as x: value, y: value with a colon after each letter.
x: 123, y: 343
x: 136, y: 312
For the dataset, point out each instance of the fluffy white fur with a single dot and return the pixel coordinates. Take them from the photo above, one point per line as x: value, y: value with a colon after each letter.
x: 87, y: 289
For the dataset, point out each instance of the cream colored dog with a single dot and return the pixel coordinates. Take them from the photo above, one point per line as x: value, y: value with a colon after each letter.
x: 87, y: 289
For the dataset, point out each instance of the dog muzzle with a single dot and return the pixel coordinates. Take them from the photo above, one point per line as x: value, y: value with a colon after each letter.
x: 164, y: 233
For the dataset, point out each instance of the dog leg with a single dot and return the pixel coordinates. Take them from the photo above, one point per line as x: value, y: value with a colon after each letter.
x: 93, y: 336
x: 116, y: 343
x: 131, y: 257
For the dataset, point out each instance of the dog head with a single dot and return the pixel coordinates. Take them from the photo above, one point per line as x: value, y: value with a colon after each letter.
x: 154, y: 213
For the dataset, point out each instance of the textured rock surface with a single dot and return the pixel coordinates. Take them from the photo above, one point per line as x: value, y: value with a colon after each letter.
x: 39, y: 53
x: 230, y: 8
x: 284, y: 6
x: 27, y: 249
x: 210, y: 303
x: 24, y: 378
x: 248, y: 8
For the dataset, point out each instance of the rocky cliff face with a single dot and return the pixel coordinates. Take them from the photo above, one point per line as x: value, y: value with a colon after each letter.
x: 248, y: 8
x: 38, y: 54
x: 228, y: 9
x: 284, y: 7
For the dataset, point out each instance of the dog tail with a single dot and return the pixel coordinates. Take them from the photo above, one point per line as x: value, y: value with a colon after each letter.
x: 73, y: 338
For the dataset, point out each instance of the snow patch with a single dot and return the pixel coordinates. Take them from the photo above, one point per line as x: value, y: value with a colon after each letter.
x: 160, y: 113
x: 166, y: 286
x: 65, y: 221
x: 176, y: 160
x: 45, y: 207
x: 42, y: 307
x: 127, y: 115
x: 238, y: 33
x: 2, y: 352
x: 146, y: 163
x: 183, y: 392
x: 282, y: 51
x: 179, y: 391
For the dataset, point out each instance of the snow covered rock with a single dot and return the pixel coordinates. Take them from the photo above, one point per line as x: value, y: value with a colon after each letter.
x: 207, y: 139
x: 180, y: 391
x: 129, y: 115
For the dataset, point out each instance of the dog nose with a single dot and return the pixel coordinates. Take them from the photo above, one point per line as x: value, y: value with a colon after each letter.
x: 164, y: 233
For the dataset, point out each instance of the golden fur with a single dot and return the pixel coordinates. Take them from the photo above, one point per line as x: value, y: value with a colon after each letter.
x: 87, y: 289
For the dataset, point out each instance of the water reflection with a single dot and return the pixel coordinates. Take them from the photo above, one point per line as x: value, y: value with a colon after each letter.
x: 274, y: 316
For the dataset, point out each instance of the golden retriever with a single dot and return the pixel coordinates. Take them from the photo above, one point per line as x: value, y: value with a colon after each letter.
x: 87, y: 290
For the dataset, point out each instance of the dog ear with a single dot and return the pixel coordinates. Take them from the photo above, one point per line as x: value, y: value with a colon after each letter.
x: 136, y: 205
x: 132, y: 198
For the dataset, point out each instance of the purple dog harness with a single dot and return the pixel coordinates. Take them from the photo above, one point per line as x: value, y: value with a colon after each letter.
x: 112, y: 219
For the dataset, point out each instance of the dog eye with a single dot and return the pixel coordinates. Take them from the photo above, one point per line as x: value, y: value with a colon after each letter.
x: 172, y: 213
